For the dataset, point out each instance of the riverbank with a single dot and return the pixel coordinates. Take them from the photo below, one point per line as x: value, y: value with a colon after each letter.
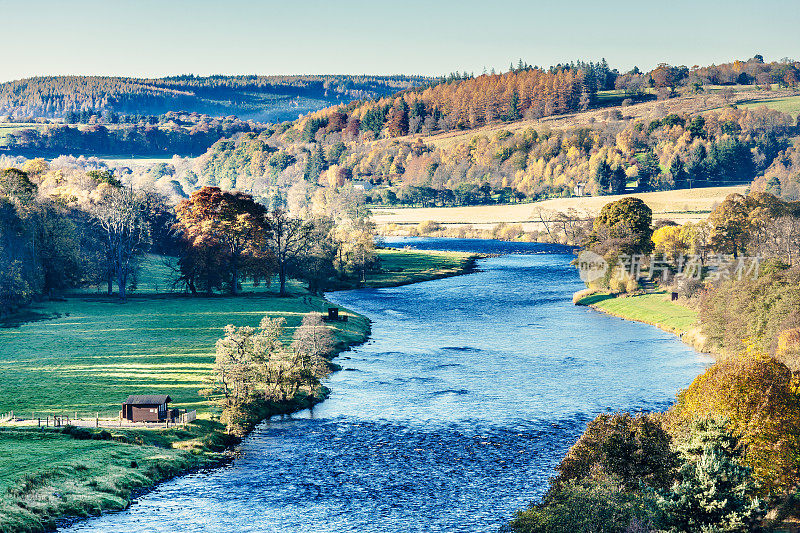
x: 654, y: 308
x: 91, y: 355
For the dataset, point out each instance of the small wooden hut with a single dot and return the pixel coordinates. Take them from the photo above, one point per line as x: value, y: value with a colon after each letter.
x: 147, y: 408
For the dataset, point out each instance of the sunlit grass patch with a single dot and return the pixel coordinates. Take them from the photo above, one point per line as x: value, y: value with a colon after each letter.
x: 652, y: 308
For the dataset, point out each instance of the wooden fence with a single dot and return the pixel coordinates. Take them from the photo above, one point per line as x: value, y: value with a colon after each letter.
x: 188, y: 416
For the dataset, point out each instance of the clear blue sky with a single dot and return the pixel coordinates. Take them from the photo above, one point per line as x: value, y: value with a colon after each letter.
x: 161, y: 37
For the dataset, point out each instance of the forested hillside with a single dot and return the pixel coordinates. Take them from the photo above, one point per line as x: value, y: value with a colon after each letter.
x: 262, y: 98
x: 529, y: 133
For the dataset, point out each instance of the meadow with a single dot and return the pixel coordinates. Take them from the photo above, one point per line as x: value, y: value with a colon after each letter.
x: 89, y: 351
x: 49, y: 475
x: 788, y: 104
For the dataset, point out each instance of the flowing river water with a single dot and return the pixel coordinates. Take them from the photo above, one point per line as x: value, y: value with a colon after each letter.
x: 451, y: 417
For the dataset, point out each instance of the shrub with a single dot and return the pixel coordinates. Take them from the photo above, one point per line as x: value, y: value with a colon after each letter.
x: 631, y: 285
x: 76, y: 432
x: 597, y: 504
x: 429, y: 226
x: 636, y: 449
x: 688, y: 286
x: 754, y: 309
x: 788, y: 350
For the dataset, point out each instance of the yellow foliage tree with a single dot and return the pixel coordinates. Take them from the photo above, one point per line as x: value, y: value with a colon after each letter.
x: 669, y: 240
x: 756, y: 394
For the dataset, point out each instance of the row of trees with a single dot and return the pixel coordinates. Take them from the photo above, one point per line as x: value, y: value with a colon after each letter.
x: 169, y: 134
x: 49, y: 244
x: 227, y: 237
x: 462, y: 104
x: 63, y: 228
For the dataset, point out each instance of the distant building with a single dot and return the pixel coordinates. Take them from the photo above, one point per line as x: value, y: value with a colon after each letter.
x: 147, y: 408
x: 579, y: 189
x: 363, y: 185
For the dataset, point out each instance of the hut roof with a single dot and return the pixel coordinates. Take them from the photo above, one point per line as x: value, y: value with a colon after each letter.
x: 147, y: 399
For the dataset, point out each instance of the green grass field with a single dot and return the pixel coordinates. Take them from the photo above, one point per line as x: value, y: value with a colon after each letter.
x: 789, y: 104
x: 399, y: 267
x: 45, y: 475
x: 97, y: 351
x: 94, y: 351
x: 651, y: 308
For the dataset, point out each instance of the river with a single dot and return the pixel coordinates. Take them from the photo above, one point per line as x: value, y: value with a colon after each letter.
x: 451, y: 417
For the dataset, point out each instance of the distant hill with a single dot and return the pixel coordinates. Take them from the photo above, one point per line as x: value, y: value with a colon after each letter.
x: 260, y: 98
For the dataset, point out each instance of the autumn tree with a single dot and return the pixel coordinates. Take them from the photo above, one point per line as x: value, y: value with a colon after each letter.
x: 756, y: 394
x: 254, y: 369
x: 397, y: 119
x: 623, y: 227
x: 635, y: 449
x: 231, y: 224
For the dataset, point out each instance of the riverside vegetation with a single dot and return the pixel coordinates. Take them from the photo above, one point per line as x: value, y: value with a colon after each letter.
x: 723, y: 458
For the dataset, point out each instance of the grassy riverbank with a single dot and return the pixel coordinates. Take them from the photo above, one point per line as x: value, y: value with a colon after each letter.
x: 93, y: 352
x: 654, y: 308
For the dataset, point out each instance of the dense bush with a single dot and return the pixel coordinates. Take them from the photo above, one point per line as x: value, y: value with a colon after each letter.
x: 599, y: 504
x: 755, y: 310
x: 635, y: 449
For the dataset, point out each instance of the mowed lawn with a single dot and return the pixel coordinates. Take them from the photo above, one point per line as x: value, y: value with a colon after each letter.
x: 652, y: 308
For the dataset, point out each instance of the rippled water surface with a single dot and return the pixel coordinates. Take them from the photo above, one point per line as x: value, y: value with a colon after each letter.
x: 450, y: 418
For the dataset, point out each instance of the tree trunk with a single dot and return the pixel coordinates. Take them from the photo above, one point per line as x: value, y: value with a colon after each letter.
x: 235, y: 276
x: 282, y: 276
x: 122, y: 281
x: 110, y: 284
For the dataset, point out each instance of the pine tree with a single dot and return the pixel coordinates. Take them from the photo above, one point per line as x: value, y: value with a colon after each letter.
x: 713, y: 490
x: 315, y: 164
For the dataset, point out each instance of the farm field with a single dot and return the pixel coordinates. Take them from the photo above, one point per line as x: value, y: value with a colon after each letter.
x: 680, y: 205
